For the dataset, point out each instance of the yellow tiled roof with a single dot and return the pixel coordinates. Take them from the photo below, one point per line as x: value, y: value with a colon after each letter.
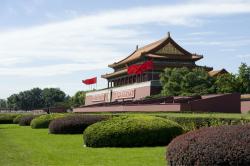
x: 150, y: 48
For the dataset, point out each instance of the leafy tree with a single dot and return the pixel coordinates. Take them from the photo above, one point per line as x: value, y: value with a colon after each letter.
x: 31, y: 99
x: 14, y: 102
x: 67, y: 103
x: 37, y: 99
x: 244, y: 78
x: 197, y: 82
x: 172, y: 80
x: 78, y: 99
x: 3, y: 104
x: 226, y: 83
x: 51, y: 96
x: 184, y: 81
x: 25, y: 100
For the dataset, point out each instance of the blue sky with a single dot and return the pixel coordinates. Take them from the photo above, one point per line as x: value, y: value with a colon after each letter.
x: 58, y: 43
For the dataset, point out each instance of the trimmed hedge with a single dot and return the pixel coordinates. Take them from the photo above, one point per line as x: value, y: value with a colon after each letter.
x: 7, y: 118
x: 190, y: 122
x: 74, y: 124
x: 131, y: 131
x: 26, y: 120
x: 16, y: 120
x: 44, y: 120
x: 224, y: 145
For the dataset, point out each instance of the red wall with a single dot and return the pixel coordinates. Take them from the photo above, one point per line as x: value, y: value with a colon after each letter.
x: 245, y: 106
x: 228, y: 103
x: 132, y: 108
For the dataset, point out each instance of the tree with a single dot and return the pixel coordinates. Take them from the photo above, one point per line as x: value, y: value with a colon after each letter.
x: 25, y: 98
x: 226, y: 83
x: 51, y: 96
x: 14, y: 102
x: 244, y: 78
x: 184, y: 81
x: 78, y: 99
x: 31, y: 99
x: 171, y: 80
x: 197, y: 82
x: 37, y: 98
x: 3, y: 104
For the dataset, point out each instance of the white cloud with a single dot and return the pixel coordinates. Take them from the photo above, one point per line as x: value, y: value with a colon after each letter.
x: 71, y: 13
x: 51, y: 16
x: 10, y: 61
x: 227, y: 50
x: 242, y: 56
x: 201, y: 33
x: 50, y: 70
x: 228, y: 43
x: 97, y: 39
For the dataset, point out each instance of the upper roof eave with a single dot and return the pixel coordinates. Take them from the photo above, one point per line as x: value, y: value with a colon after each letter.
x: 194, y: 57
x: 149, y: 48
x: 137, y: 53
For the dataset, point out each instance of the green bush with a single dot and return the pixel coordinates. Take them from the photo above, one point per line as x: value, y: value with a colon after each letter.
x: 44, y: 120
x: 131, y: 131
x: 7, y: 118
x: 25, y: 120
x: 16, y: 120
x: 223, y: 145
x: 74, y: 124
x: 189, y: 122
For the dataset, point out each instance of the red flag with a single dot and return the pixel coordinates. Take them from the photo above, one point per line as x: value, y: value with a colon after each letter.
x: 148, y: 65
x: 89, y: 81
x: 138, y: 69
x: 133, y: 68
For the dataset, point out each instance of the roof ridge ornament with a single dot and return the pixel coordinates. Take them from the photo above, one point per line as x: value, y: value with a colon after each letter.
x: 168, y: 34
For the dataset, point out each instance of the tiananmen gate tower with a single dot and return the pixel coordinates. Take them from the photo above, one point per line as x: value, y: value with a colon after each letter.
x: 124, y: 86
x: 164, y: 53
x: 138, y: 76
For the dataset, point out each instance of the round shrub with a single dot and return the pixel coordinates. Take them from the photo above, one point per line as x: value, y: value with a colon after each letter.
x: 44, y: 120
x: 74, y: 124
x: 25, y: 120
x: 224, y: 145
x: 7, y: 118
x: 16, y: 120
x: 131, y: 131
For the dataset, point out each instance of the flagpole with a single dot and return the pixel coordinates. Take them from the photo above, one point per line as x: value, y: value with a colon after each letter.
x: 96, y: 84
x: 152, y: 73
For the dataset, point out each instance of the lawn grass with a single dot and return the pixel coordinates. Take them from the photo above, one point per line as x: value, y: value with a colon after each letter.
x: 23, y: 146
